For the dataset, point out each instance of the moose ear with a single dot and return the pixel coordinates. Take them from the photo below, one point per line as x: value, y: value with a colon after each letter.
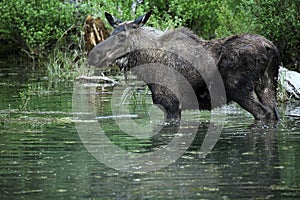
x: 113, y: 21
x: 143, y: 19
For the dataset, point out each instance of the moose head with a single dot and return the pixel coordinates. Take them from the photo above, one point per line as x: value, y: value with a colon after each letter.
x: 123, y: 39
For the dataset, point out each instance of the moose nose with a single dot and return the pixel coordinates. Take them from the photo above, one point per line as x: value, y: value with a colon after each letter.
x: 93, y: 58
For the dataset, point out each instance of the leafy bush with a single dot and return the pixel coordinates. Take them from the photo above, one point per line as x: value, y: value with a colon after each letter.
x: 35, y: 24
x: 279, y: 20
x: 39, y: 25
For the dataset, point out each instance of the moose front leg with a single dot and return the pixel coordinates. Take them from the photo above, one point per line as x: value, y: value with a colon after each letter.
x: 265, y: 91
x: 166, y: 101
x: 172, y: 112
x: 252, y: 104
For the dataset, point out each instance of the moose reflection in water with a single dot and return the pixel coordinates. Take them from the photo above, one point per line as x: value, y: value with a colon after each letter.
x: 248, y: 65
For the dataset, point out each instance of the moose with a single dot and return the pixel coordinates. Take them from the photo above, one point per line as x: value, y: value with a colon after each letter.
x: 248, y: 65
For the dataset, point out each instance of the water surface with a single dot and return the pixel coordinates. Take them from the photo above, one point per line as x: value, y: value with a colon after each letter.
x: 43, y: 157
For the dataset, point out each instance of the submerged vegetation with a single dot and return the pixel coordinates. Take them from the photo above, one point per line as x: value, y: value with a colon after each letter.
x: 56, y: 39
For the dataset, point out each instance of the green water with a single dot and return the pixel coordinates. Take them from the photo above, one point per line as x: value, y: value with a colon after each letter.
x: 43, y: 156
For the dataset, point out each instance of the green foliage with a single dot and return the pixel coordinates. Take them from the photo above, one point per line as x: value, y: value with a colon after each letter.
x: 279, y: 20
x: 37, y: 26
x: 234, y: 17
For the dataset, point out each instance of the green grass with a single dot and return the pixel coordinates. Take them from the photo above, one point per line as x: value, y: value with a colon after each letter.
x: 66, y: 65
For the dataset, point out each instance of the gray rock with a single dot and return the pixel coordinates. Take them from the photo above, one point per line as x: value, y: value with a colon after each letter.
x: 290, y: 81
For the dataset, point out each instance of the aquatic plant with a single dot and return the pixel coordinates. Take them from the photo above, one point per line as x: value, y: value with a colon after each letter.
x: 134, y: 95
x: 25, y: 99
x: 64, y: 65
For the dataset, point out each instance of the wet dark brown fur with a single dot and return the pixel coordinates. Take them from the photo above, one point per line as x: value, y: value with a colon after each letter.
x: 248, y: 65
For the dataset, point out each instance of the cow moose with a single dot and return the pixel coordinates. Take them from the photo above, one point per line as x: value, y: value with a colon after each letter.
x: 248, y: 65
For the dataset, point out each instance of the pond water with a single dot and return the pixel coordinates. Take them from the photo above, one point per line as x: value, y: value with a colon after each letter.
x: 56, y: 141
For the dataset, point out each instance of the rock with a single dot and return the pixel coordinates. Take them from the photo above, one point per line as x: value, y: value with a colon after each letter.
x: 290, y: 81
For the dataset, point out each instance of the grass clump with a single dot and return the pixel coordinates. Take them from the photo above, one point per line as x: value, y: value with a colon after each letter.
x: 64, y: 65
x: 25, y: 99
